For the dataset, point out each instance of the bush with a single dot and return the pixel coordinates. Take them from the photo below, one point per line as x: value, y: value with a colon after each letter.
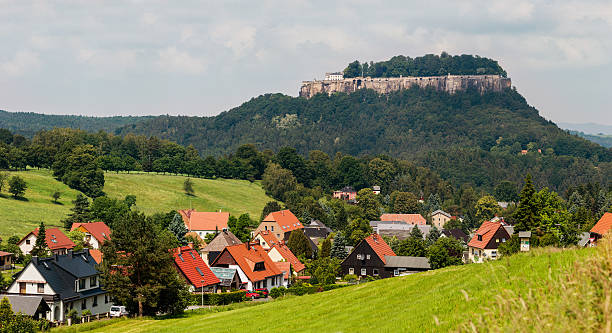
x: 278, y: 292
x: 74, y: 315
x: 350, y: 278
x: 86, y: 313
x: 217, y: 299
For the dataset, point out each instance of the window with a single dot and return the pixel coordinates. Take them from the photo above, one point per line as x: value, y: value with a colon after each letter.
x: 265, y: 283
x: 496, y: 240
x: 95, y: 301
x: 359, y: 256
x: 22, y: 287
x: 503, y: 240
x: 199, y: 271
x: 93, y: 281
x: 84, y: 304
x: 493, y: 254
x: 259, y: 266
x: 265, y: 227
x: 396, y: 272
x: 375, y: 272
x: 81, y: 284
x: 368, y: 256
x: 479, y: 237
x: 28, y: 241
x: 364, y: 271
x: 181, y: 257
x: 351, y: 270
x: 192, y: 256
x: 272, y: 228
x: 41, y: 288
x: 105, y: 298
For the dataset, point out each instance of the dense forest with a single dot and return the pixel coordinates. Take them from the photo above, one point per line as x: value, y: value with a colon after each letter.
x: 465, y: 137
x: 427, y: 65
x: 29, y: 123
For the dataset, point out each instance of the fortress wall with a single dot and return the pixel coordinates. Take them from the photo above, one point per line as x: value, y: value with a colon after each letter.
x: 448, y: 83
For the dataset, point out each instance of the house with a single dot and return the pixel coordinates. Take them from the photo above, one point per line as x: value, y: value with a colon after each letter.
x: 285, y: 268
x: 6, y: 260
x: 57, y: 241
x: 281, y: 223
x: 204, y: 223
x: 30, y: 305
x: 368, y: 258
x: 457, y: 234
x: 347, y: 193
x: 192, y: 268
x: 222, y: 240
x: 255, y: 268
x: 96, y: 254
x: 439, y: 218
x: 486, y: 240
x: 408, y: 218
x: 281, y: 253
x: 376, y: 189
x: 405, y: 265
x: 399, y: 229
x: 524, y: 237
x: 584, y: 239
x: 266, y: 239
x: 316, y: 230
x: 602, y: 227
x: 200, y: 240
x: 96, y: 233
x: 228, y: 277
x: 336, y: 76
x: 66, y: 281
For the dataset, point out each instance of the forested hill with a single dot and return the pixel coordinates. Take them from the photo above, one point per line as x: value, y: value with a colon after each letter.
x: 466, y: 137
x: 28, y: 123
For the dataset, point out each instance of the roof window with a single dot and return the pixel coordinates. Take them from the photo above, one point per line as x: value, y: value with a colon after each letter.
x: 192, y: 256
x: 199, y: 271
x: 181, y: 257
x: 479, y: 237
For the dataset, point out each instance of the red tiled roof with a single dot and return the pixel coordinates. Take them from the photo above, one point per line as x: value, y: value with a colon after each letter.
x: 285, y: 220
x: 378, y: 244
x: 408, y: 218
x: 603, y: 225
x: 193, y: 267
x: 487, y: 230
x: 204, y: 220
x: 96, y: 254
x: 246, y: 258
x: 268, y: 237
x: 99, y: 230
x: 286, y: 253
x: 285, y: 267
x: 54, y: 238
x: 3, y: 253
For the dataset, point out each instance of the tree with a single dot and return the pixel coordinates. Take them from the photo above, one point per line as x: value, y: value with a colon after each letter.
x: 271, y: 206
x: 130, y: 200
x: 80, y: 212
x: 40, y: 248
x: 380, y: 172
x: 404, y: 203
x: 511, y: 246
x: 178, y: 229
x: 393, y: 243
x: 3, y: 178
x: 368, y: 201
x: 352, y: 70
x: 359, y: 229
x: 433, y: 235
x: 338, y: 249
x: 107, y: 210
x: 416, y: 232
x: 138, y: 270
x: 446, y: 251
x: 188, y: 186
x: 506, y: 191
x: 486, y: 208
x: 413, y: 247
x: 299, y: 244
x: 17, y: 186
x: 55, y: 196
x: 11, y: 322
x: 240, y: 227
x: 325, y: 248
x: 277, y: 181
x: 79, y: 169
x: 78, y: 238
x: 527, y: 213
x: 323, y: 270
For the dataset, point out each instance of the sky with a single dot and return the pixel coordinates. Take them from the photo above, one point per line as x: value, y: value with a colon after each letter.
x: 104, y: 58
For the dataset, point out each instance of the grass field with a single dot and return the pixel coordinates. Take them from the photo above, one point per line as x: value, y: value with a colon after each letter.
x: 440, y: 300
x: 154, y: 193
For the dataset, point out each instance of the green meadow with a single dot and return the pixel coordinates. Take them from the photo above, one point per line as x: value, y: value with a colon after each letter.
x: 154, y: 193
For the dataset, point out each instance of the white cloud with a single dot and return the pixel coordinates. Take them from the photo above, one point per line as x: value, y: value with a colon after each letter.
x: 237, y: 37
x: 148, y: 19
x: 173, y: 60
x: 21, y: 62
x: 514, y: 10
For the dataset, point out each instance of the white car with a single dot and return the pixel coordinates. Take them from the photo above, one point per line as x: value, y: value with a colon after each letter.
x: 118, y: 311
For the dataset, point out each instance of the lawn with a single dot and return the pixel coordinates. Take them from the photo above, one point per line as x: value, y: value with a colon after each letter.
x: 154, y: 193
x: 440, y: 300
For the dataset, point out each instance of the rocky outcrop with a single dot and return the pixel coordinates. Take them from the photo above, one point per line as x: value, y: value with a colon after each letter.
x: 448, y: 83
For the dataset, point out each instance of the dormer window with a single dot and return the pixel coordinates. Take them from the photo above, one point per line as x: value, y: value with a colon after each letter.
x: 259, y: 266
x: 93, y: 281
x: 81, y: 284
x: 479, y: 237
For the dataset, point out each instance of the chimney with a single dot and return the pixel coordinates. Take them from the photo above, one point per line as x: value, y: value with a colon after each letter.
x: 190, y: 244
x: 179, y: 250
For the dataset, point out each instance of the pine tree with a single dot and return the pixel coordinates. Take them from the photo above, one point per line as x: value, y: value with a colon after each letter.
x: 299, y: 244
x: 40, y: 246
x: 80, y: 212
x: 325, y: 248
x: 416, y: 232
x: 338, y: 249
x: 433, y: 235
x: 526, y: 213
x: 177, y: 227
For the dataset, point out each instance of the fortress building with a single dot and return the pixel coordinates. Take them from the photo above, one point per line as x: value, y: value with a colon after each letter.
x: 448, y: 83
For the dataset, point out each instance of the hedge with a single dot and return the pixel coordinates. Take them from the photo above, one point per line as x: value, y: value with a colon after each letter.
x: 217, y: 299
x: 300, y: 290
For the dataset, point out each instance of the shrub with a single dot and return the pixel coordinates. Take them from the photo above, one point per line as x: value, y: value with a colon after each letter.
x: 217, y: 299
x: 278, y: 292
x: 74, y: 315
x: 86, y: 313
x: 350, y: 278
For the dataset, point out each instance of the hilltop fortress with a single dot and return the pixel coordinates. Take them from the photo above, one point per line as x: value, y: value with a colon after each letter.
x: 334, y: 82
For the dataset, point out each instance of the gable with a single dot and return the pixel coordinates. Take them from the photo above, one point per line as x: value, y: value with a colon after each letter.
x: 363, y: 248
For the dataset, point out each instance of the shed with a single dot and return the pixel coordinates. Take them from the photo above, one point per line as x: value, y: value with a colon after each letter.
x: 524, y: 237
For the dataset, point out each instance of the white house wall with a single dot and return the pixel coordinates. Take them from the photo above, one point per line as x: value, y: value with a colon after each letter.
x: 27, y: 248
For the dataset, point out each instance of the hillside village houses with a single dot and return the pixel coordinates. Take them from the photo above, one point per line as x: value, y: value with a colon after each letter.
x: 439, y: 218
x: 347, y: 193
x: 57, y: 241
x: 279, y: 252
x: 602, y: 227
x: 96, y: 233
x: 281, y: 223
x: 203, y: 223
x: 222, y: 240
x: 66, y: 281
x: 194, y: 270
x: 407, y: 218
x: 486, y: 240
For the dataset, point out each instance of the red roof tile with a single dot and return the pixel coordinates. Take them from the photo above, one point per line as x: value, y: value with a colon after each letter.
x: 603, y: 225
x: 286, y: 253
x: 378, y: 244
x: 268, y: 237
x: 96, y: 254
x: 284, y: 267
x: 99, y: 230
x: 204, y: 220
x: 246, y: 258
x: 285, y: 220
x: 408, y: 218
x: 193, y: 268
x: 54, y: 238
x: 487, y: 230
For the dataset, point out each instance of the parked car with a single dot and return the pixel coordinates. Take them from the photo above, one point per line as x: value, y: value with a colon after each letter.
x: 118, y: 311
x: 262, y: 291
x: 251, y: 294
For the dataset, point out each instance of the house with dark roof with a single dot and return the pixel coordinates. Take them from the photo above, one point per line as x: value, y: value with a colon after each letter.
x: 29, y: 305
x: 347, y: 193
x: 96, y: 233
x: 602, y: 227
x: 317, y: 230
x: 457, y: 234
x: 57, y: 241
x: 405, y: 265
x: 486, y: 240
x: 280, y: 223
x: 68, y: 281
x: 399, y: 229
x: 255, y: 268
x: 194, y: 270
x: 368, y: 258
x: 204, y: 223
x: 222, y: 240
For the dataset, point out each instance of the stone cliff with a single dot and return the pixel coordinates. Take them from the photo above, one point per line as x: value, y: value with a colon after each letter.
x: 448, y: 83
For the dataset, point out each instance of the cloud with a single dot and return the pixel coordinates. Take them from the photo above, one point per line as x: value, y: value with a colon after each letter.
x: 237, y: 37
x: 173, y: 60
x: 21, y: 62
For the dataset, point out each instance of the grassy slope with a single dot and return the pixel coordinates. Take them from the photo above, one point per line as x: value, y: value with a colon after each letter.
x: 412, y: 303
x: 154, y: 193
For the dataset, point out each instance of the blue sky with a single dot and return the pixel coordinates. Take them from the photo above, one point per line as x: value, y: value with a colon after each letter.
x: 201, y: 58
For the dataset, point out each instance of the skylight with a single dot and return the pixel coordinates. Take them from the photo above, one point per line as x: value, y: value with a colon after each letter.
x: 199, y: 271
x: 181, y: 256
x: 192, y: 256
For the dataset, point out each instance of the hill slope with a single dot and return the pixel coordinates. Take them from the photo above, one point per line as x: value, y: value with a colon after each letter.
x: 440, y: 300
x: 154, y: 193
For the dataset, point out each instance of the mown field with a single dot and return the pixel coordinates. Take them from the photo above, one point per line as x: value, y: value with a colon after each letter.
x: 442, y: 300
x: 154, y: 193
